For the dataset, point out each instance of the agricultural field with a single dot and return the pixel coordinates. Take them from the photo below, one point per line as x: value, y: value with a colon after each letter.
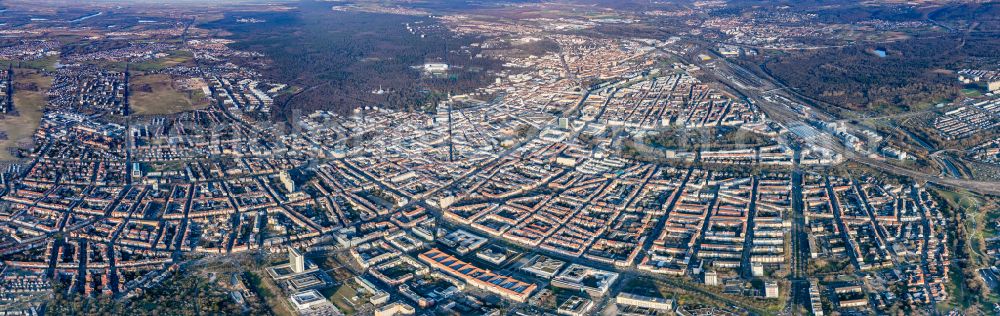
x: 29, y: 101
x: 160, y: 94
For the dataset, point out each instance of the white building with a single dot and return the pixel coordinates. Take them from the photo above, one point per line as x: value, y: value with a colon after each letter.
x: 296, y: 260
x: 656, y: 303
x: 435, y: 67
x: 396, y: 308
x: 286, y: 180
x: 311, y: 303
x: 711, y: 278
x: 771, y: 289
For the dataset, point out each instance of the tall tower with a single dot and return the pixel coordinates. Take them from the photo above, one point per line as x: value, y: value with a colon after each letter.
x: 451, y: 143
x: 771, y: 289
x: 125, y: 103
x: 8, y: 102
x: 286, y: 180
x: 296, y: 260
x: 711, y: 278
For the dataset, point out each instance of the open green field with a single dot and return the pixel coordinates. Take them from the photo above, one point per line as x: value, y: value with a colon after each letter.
x: 47, y: 63
x: 344, y: 298
x: 972, y: 93
x: 29, y: 103
x: 159, y: 94
x: 173, y: 58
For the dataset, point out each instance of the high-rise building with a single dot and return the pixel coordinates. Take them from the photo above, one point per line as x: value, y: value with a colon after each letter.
x: 757, y: 268
x: 771, y: 289
x: 7, y: 98
x: 711, y: 278
x: 126, y: 108
x: 286, y: 180
x: 296, y: 260
x: 136, y: 170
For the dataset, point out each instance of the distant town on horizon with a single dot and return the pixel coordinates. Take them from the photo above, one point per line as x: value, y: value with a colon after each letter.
x: 515, y: 157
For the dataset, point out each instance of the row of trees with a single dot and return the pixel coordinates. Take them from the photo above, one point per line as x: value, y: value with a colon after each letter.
x: 181, y: 294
